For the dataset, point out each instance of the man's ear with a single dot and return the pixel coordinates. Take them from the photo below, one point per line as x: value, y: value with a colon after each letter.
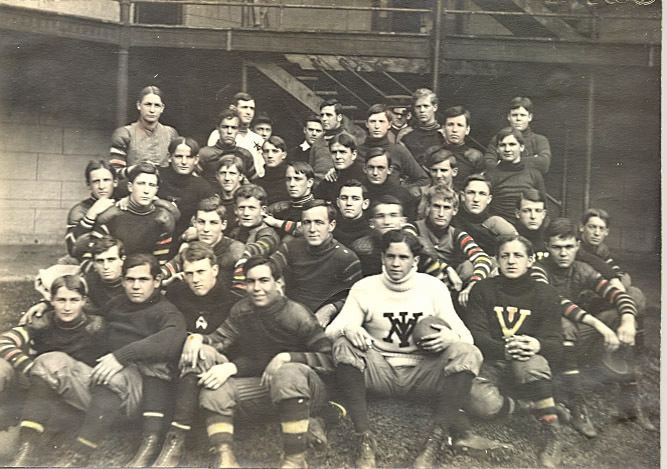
x: 339, y: 117
x: 310, y: 182
x: 354, y: 155
x: 467, y: 130
x: 215, y: 268
x: 129, y: 186
x: 332, y: 225
x: 138, y: 105
x: 415, y: 262
x: 455, y: 172
x: 365, y: 204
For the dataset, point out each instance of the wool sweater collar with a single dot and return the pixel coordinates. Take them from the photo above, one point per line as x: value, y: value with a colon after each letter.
x: 152, y: 300
x: 474, y: 218
x: 405, y: 284
x: 506, y: 166
x: 140, y: 209
x: 331, y: 133
x: 382, y: 142
x: 326, y: 246
x: 69, y: 326
x: 300, y: 203
x: 516, y: 286
x: 429, y: 127
x: 271, y: 309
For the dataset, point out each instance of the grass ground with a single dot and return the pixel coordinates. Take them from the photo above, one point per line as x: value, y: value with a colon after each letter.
x: 401, y: 429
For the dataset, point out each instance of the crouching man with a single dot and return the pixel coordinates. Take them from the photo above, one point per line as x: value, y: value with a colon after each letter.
x: 374, y: 350
x: 515, y: 322
x: 280, y: 347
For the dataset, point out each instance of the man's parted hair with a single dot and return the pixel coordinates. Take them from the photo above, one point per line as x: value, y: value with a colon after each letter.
x: 456, y: 111
x: 521, y: 101
x: 481, y: 178
x: 213, y: 204
x: 197, y: 251
x: 72, y: 282
x: 247, y: 191
x: 436, y: 155
x: 277, y: 142
x: 386, y: 200
x: 596, y: 212
x: 338, y: 107
x: 331, y: 210
x: 355, y: 183
x: 506, y: 132
x: 241, y: 96
x: 231, y: 159
x: 227, y: 114
x: 377, y: 109
x: 94, y: 165
x: 150, y: 89
x: 441, y: 191
x: 188, y: 142
x: 106, y: 242
x: 562, y: 228
x: 140, y: 258
x: 401, y: 236
x: 424, y: 93
x: 374, y: 152
x: 143, y: 168
x: 504, y: 239
x: 345, y: 139
x: 301, y: 167
x: 531, y: 195
x: 254, y: 261
x: 312, y: 117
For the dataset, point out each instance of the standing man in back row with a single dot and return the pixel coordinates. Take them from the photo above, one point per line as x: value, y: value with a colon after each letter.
x: 426, y: 131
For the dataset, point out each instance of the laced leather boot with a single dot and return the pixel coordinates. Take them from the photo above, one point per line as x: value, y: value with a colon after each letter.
x: 550, y: 454
x: 172, y: 449
x: 145, y: 455
x: 224, y: 456
x: 366, y: 451
x: 428, y: 456
x: 582, y: 422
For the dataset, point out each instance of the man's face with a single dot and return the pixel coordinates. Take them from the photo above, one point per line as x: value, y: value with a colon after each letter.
x: 476, y: 197
x: 316, y: 226
x: 595, y: 231
x: 143, y: 189
x: 246, y: 110
x: 273, y: 156
x: 249, y: 212
x: 387, y: 217
x: 150, y: 108
x: 398, y: 261
x: 351, y: 202
x: 377, y: 169
x: 400, y: 116
x: 298, y: 185
x: 67, y: 304
x: 139, y: 283
x: 229, y: 178
x: 563, y: 250
x: 531, y: 214
x: 510, y: 149
x: 210, y: 227
x: 378, y: 125
x: 200, y: 275
x: 456, y: 129
x: 442, y: 173
x: 519, y: 118
x: 263, y: 129
x: 228, y: 129
x: 261, y: 287
x: 342, y: 156
x: 330, y: 120
x: 513, y: 259
x: 312, y: 131
x: 101, y: 183
x: 441, y: 212
x: 183, y: 161
x: 108, y: 264
x: 425, y: 110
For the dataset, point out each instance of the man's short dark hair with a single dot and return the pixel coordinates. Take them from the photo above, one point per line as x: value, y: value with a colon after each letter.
x: 301, y: 167
x: 213, y: 204
x: 143, y: 168
x: 338, y: 107
x: 197, y: 251
x: 355, y: 183
x: 139, y: 258
x: 94, y: 165
x: 562, y: 228
x: 262, y: 118
x: 504, y: 239
x: 374, y: 152
x: 227, y: 114
x: 106, y: 242
x: 521, y: 101
x: 386, y: 200
x: 241, y: 96
x: 72, y: 282
x: 254, y: 261
x: 187, y: 141
x: 436, y: 155
x: 231, y: 159
x: 345, y: 139
x: 312, y: 117
x: 401, y: 236
x: 377, y: 109
x: 456, y: 111
x: 331, y: 210
x: 596, y: 212
x: 506, y: 132
x: 481, y: 178
x: 531, y: 195
x: 246, y: 191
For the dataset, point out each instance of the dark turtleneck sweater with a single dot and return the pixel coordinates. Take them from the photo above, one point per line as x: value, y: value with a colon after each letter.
x: 468, y: 161
x: 537, y: 238
x: 329, y: 190
x: 203, y: 314
x: 509, y: 181
x: 499, y: 307
x: 273, y: 183
x: 210, y: 156
x: 317, y: 275
x: 474, y: 225
x: 101, y: 292
x: 391, y: 187
x: 405, y: 168
x: 536, y: 152
x: 260, y: 333
x: 419, y: 139
x: 347, y: 230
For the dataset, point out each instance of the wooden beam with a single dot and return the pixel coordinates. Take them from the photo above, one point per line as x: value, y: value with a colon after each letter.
x: 290, y: 84
x: 556, y: 25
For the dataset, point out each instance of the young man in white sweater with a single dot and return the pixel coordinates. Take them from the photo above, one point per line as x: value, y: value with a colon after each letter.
x: 374, y: 349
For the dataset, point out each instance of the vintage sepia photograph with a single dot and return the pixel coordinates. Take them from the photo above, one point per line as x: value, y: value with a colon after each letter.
x: 330, y: 233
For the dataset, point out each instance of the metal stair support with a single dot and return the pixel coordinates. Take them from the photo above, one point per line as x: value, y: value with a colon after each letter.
x: 290, y: 84
x: 349, y: 66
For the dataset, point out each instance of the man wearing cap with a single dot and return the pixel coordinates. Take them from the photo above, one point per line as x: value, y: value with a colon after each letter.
x: 399, y: 106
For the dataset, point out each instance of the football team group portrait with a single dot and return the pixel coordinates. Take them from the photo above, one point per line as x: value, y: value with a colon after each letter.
x: 260, y: 299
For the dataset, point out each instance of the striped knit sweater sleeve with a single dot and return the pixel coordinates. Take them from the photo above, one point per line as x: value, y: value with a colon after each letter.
x: 570, y: 310
x: 78, y: 224
x: 266, y: 241
x: 14, y: 348
x: 481, y: 261
x: 623, y: 302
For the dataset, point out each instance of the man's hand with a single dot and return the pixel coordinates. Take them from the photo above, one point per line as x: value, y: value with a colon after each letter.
x: 99, y: 207
x: 272, y: 221
x: 273, y: 366
x: 192, y: 350
x: 217, y: 375
x: 611, y: 341
x: 627, y: 330
x: 617, y: 283
x: 190, y: 234
x: 35, y: 311
x: 521, y: 347
x: 465, y: 294
x: 325, y: 313
x: 438, y: 341
x: 359, y: 337
x: 107, y: 366
x: 454, y: 279
x: 331, y: 175
x: 123, y: 203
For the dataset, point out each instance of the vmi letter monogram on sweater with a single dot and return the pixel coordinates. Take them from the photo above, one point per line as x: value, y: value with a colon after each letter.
x: 401, y: 326
x: 509, y: 322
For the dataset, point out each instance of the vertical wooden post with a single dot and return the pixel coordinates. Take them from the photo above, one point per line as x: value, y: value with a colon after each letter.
x: 123, y: 64
x: 589, y: 138
x: 437, y: 38
x: 244, y: 76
